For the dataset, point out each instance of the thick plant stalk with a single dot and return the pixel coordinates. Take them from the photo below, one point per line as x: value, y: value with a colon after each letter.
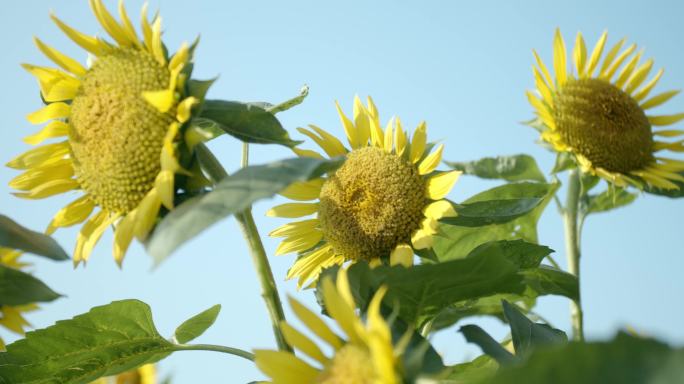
x: 269, y: 290
x: 572, y: 249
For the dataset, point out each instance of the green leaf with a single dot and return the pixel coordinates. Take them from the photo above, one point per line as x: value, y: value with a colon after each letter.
x: 419, y: 356
x: 625, y: 360
x: 421, y: 292
x: 105, y: 341
x: 284, y: 106
x: 485, y: 306
x: 17, y: 288
x: 13, y: 235
x: 607, y: 200
x: 526, y: 255
x: 483, y: 213
x: 231, y: 195
x: 527, y: 335
x: 457, y: 241
x: 247, y: 122
x: 199, y: 88
x: 511, y: 168
x: 547, y: 280
x: 479, y: 370
x: 196, y: 325
x: 476, y: 335
x: 564, y: 161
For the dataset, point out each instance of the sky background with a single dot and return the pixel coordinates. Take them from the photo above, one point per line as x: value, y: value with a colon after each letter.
x: 461, y: 66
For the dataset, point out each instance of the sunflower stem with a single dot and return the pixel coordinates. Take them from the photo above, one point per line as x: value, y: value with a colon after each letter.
x: 215, y: 348
x: 269, y: 290
x: 572, y: 249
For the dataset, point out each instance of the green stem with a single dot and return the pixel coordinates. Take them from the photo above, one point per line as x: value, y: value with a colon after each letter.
x: 215, y: 348
x: 572, y: 249
x: 269, y: 291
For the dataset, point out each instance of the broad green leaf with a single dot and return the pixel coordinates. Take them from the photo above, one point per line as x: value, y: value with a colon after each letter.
x: 13, y: 235
x: 479, y: 370
x: 476, y: 335
x: 522, y: 253
x: 247, y: 122
x: 17, y: 288
x: 105, y: 341
x: 231, y: 195
x: 547, y: 280
x: 199, y: 88
x: 196, y: 325
x: 511, y: 168
x: 527, y: 335
x: 625, y: 360
x: 456, y: 241
x: 488, y: 212
x: 486, y: 306
x: 607, y: 200
x: 421, y: 292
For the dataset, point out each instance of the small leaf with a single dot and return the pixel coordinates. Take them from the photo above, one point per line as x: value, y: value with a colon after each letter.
x: 625, y: 360
x: 199, y: 88
x: 457, y: 241
x: 247, y: 122
x: 608, y: 200
x: 17, y: 288
x: 564, y: 162
x: 547, y: 280
x: 196, y: 325
x: 476, y: 335
x: 105, y: 341
x: 284, y: 106
x: 231, y: 195
x: 483, y: 213
x: 13, y: 235
x: 479, y: 370
x: 527, y: 335
x: 511, y: 168
x: 522, y: 253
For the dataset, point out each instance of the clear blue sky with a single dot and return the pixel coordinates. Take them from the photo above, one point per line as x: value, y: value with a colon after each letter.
x: 461, y: 66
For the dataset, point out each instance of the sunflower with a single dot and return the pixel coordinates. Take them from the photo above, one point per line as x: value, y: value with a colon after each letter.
x: 117, y: 123
x: 381, y: 204
x: 11, y: 316
x: 367, y: 355
x: 599, y: 114
x: 146, y: 374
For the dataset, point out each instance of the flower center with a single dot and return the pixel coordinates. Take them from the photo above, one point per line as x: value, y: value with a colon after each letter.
x: 115, y: 135
x: 351, y: 365
x: 604, y: 124
x: 371, y: 204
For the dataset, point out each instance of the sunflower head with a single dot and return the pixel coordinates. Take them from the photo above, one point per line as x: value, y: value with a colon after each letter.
x: 598, y: 113
x: 119, y: 126
x: 381, y: 204
x: 366, y: 355
x: 11, y: 316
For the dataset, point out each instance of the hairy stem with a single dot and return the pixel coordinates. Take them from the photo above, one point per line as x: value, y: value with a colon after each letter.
x: 572, y: 249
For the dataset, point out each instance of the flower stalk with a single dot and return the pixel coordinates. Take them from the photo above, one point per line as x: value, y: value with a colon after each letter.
x: 572, y: 248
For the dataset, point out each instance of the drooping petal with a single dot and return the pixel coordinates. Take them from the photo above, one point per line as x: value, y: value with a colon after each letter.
x: 123, y: 235
x: 299, y: 242
x: 284, y: 367
x: 301, y: 342
x: 54, y: 129
x: 292, y: 210
x: 402, y: 255
x: 315, y: 324
x: 74, y: 213
x: 49, y: 112
x: 304, y: 190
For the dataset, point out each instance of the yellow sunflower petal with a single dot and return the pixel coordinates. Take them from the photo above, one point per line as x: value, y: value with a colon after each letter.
x: 639, y: 76
x: 284, y: 367
x: 89, y: 43
x: 146, y: 215
x: 438, y: 186
x: 610, y: 72
x: 315, y: 324
x: 294, y: 228
x: 439, y: 209
x: 361, y: 122
x: 162, y: 100
x: 127, y: 26
x: 646, y: 89
x: 299, y: 242
x: 44, y: 154
x: 184, y: 111
x: 49, y: 112
x: 304, y: 190
x: 301, y: 342
x: 665, y: 119
x: 421, y: 239
x: 50, y: 188
x: 56, y: 128
x: 431, y: 161
x: 307, y: 153
x: 90, y: 234
x: 146, y: 28
x: 418, y: 143
x: 627, y: 71
x: 340, y: 310
x: 544, y: 70
x: 579, y: 54
x: 389, y: 132
x: 596, y: 53
x: 123, y: 235
x: 669, y: 133
x: 157, y: 47
x: 349, y: 129
x: 292, y: 210
x: 402, y: 255
x: 74, y: 213
x: 559, y: 58
x: 329, y: 143
x: 109, y: 23
x: 610, y: 56
x: 164, y: 184
x: 41, y: 174
x: 400, y: 140
x: 57, y: 57
x: 658, y: 99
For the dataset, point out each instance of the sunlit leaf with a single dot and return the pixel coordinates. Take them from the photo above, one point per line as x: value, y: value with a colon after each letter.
x: 511, y: 168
